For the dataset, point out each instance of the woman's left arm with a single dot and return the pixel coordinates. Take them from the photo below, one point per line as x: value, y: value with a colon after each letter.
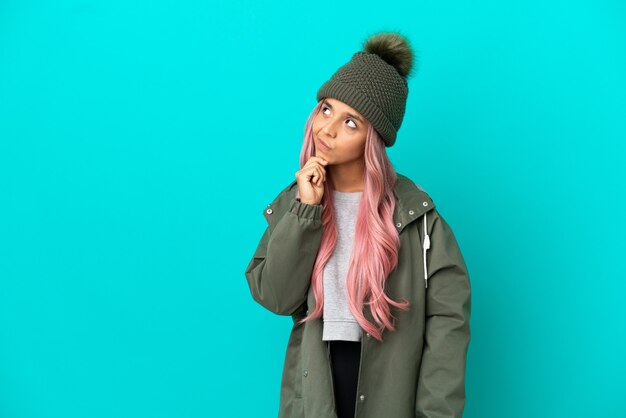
x: 441, y: 382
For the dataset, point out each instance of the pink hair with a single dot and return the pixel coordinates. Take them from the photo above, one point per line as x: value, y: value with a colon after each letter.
x: 376, y: 241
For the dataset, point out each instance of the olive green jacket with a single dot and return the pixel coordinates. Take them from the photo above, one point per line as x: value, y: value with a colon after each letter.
x: 418, y: 371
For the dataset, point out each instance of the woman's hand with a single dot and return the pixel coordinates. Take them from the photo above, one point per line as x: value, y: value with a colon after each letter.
x: 311, y: 180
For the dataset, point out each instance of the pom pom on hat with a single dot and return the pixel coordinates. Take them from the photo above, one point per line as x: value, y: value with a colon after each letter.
x: 394, y: 49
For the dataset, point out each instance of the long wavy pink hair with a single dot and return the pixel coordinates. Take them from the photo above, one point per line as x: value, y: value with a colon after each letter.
x: 376, y: 241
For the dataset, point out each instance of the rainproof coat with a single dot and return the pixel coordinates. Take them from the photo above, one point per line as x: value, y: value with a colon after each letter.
x: 418, y: 371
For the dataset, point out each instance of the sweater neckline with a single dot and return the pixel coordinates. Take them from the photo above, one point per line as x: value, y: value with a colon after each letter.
x: 347, y: 196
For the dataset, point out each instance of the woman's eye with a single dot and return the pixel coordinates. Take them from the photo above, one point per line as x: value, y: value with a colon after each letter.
x: 324, y: 109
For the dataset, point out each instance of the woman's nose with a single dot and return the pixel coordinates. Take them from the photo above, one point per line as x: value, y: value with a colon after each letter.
x: 329, y: 129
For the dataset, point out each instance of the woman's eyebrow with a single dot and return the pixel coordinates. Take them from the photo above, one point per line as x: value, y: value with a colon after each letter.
x: 346, y: 113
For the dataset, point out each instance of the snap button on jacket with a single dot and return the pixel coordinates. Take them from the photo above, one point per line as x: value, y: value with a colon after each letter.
x: 418, y: 371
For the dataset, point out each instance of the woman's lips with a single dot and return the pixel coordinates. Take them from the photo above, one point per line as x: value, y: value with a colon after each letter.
x: 323, y: 146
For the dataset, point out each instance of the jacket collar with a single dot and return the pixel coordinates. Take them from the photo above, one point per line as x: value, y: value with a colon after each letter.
x: 411, y: 203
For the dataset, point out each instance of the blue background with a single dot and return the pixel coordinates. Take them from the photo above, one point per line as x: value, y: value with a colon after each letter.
x: 141, y: 141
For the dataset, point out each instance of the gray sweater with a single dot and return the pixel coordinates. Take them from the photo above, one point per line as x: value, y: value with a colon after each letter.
x: 339, y: 323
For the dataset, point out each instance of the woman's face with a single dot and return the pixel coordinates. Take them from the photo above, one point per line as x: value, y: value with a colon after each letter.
x: 342, y: 129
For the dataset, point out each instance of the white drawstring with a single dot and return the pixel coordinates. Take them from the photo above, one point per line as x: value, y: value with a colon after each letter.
x: 426, y: 246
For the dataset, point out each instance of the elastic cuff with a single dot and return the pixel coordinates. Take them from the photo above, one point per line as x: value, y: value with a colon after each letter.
x: 304, y: 210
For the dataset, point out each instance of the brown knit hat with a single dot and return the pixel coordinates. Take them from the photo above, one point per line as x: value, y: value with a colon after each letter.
x: 374, y: 82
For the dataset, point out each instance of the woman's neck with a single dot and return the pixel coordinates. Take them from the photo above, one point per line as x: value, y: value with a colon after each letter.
x: 347, y: 178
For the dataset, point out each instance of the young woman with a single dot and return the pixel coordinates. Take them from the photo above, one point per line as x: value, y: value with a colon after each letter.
x: 357, y: 254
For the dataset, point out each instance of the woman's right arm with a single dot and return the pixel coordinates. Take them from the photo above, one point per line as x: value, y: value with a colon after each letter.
x: 279, y: 273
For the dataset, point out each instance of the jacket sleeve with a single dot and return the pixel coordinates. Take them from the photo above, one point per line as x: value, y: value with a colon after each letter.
x: 441, y: 381
x: 279, y: 273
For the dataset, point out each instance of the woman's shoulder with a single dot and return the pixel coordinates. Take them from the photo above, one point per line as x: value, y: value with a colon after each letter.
x: 405, y: 184
x: 281, y: 202
x: 288, y: 190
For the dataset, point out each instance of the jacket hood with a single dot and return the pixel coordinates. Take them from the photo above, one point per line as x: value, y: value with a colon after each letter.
x: 411, y: 202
